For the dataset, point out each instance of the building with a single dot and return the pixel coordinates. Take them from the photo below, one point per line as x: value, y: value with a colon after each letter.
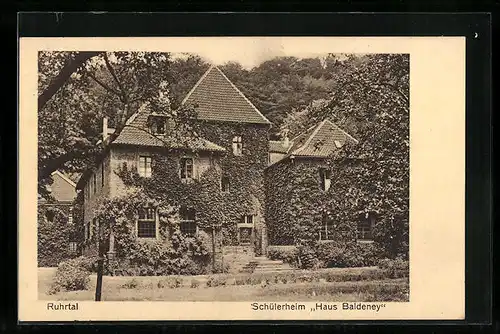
x: 228, y: 158
x: 298, y: 181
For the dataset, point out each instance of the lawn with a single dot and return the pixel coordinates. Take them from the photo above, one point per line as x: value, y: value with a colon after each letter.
x: 147, y: 288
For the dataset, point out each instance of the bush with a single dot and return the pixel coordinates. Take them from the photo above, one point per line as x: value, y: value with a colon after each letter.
x: 396, y: 268
x: 342, y: 255
x: 157, y: 258
x: 307, y: 257
x: 72, y: 275
x: 214, y: 281
x: 130, y: 284
x: 195, y: 283
x: 53, y: 237
x: 170, y: 282
x: 287, y: 254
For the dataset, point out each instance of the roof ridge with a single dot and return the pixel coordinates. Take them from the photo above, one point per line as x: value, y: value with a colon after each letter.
x: 310, y: 137
x: 243, y: 95
x: 197, y: 84
x: 344, y: 132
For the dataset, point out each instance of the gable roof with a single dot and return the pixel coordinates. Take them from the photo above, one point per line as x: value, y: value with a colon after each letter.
x: 319, y: 141
x: 322, y: 141
x: 136, y: 133
x: 62, y: 189
x: 218, y: 99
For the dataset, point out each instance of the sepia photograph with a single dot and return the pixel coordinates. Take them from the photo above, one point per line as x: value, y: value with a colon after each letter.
x: 206, y: 177
x: 241, y: 178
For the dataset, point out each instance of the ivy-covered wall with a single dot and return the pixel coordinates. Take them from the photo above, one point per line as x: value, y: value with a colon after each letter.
x: 215, y: 209
x: 246, y: 176
x: 296, y: 203
x: 54, y: 235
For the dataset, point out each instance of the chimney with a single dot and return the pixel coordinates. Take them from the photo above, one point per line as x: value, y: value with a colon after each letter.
x: 104, y: 129
x: 286, y: 142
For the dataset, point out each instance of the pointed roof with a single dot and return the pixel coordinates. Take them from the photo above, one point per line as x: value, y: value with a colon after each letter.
x: 136, y: 133
x: 218, y: 99
x: 319, y: 141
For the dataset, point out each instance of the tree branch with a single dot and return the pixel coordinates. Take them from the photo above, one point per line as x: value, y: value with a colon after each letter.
x: 115, y: 77
x: 51, y: 165
x: 103, y: 85
x: 63, y: 76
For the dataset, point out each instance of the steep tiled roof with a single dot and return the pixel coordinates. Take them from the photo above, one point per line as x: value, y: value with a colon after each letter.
x: 136, y: 133
x: 276, y: 146
x: 218, y: 99
x: 319, y: 141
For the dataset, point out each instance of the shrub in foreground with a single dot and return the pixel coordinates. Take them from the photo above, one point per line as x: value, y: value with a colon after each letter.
x: 287, y: 254
x: 72, y: 275
x: 394, y: 268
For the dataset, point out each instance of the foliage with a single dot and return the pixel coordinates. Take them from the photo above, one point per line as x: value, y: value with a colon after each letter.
x: 170, y: 282
x: 395, y: 268
x: 288, y: 254
x: 214, y: 281
x: 71, y: 275
x: 194, y: 283
x: 246, y: 195
x: 111, y: 84
x: 54, y: 236
x: 130, y: 284
x: 371, y: 102
x: 170, y: 253
x: 352, y: 254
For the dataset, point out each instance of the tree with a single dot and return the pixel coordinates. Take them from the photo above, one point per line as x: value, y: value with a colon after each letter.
x: 78, y: 89
x: 373, y: 176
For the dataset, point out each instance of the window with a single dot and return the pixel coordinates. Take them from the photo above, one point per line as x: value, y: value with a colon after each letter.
x: 146, y: 225
x: 93, y: 225
x: 325, y: 179
x: 237, y: 146
x: 327, y: 228
x: 188, y: 221
x: 73, y: 245
x: 158, y: 124
x: 50, y: 215
x: 365, y: 226
x: 144, y: 166
x: 186, y: 169
x: 70, y: 216
x: 245, y: 235
x: 225, y: 184
x: 248, y: 219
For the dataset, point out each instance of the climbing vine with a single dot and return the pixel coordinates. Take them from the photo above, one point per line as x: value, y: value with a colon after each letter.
x: 54, y: 235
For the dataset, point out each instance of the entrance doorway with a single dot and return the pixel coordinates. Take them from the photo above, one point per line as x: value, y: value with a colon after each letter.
x: 246, y: 231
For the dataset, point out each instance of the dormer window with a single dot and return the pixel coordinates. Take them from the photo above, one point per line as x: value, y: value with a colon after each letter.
x: 158, y: 124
